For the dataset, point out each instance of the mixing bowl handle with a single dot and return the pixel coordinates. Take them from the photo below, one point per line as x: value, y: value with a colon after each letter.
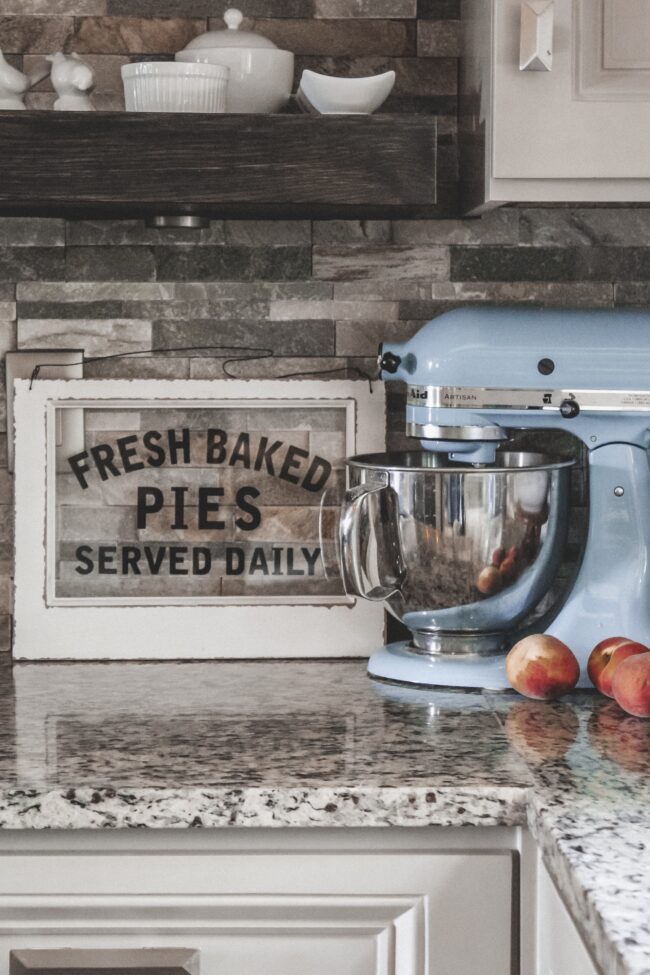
x: 350, y: 534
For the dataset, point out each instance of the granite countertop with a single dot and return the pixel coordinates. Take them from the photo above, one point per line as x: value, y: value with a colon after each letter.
x: 318, y: 744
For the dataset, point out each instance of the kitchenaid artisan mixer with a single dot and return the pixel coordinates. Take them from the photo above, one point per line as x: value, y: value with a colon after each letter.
x: 462, y: 541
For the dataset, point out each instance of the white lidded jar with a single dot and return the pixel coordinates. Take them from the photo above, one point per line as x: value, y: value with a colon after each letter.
x: 261, y: 75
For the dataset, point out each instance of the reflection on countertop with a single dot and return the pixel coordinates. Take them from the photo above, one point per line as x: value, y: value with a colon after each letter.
x: 316, y: 743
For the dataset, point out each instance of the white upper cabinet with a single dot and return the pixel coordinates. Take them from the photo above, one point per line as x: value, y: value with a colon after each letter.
x: 555, y: 101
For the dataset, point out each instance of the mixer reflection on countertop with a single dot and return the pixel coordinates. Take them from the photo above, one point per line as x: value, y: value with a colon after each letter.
x: 463, y: 541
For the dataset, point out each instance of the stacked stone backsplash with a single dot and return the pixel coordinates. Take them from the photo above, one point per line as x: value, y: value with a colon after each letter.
x: 320, y: 295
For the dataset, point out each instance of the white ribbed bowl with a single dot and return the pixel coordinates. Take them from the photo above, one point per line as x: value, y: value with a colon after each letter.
x: 167, y: 86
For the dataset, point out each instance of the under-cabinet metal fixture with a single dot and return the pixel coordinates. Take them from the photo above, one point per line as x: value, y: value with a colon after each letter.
x: 191, y: 222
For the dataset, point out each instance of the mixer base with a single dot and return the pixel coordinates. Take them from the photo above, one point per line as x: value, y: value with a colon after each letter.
x: 400, y: 665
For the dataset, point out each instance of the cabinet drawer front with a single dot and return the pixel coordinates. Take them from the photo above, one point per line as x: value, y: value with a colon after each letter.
x: 270, y: 913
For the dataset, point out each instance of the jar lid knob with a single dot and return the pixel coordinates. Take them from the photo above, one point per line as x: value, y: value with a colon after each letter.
x: 233, y: 18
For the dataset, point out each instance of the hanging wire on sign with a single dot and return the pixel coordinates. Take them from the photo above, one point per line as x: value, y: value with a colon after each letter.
x: 253, y: 353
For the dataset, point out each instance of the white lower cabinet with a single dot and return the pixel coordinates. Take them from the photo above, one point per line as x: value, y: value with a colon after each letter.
x: 560, y: 950
x: 263, y: 902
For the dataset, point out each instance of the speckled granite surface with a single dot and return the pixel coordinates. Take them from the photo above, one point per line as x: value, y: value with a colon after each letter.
x: 318, y: 744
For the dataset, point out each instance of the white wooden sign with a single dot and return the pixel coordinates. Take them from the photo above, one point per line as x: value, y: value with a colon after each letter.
x: 195, y: 520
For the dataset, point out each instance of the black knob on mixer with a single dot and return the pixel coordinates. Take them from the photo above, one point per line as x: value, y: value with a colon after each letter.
x: 389, y: 362
x: 569, y: 408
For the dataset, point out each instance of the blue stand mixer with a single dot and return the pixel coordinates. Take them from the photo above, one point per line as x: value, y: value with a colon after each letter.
x: 462, y: 540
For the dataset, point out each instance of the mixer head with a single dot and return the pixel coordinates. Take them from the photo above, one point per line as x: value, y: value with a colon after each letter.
x: 474, y: 372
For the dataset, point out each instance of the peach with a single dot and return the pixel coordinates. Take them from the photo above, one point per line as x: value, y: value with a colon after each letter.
x: 498, y: 556
x: 606, y: 657
x: 631, y: 685
x: 542, y: 667
x: 619, y: 737
x: 489, y: 581
x: 538, y: 736
x: 508, y: 569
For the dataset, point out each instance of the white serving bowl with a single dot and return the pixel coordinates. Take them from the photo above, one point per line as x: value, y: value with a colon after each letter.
x: 261, y: 78
x: 166, y: 86
x: 344, y: 96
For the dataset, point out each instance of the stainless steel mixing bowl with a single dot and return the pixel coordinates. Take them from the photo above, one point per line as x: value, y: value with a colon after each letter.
x: 460, y: 554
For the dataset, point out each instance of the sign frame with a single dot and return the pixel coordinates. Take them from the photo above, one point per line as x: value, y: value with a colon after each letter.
x: 192, y: 628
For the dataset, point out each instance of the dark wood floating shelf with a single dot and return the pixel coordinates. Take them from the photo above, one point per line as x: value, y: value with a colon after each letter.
x: 109, y: 164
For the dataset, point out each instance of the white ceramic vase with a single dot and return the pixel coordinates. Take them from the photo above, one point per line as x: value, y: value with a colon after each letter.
x: 13, y: 85
x: 73, y: 80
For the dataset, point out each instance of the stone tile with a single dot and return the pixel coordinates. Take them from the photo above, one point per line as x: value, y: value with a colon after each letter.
x: 442, y: 106
x: 34, y: 35
x: 73, y: 309
x: 612, y: 263
x: 94, y: 337
x: 258, y: 233
x: 6, y: 487
x: 7, y: 291
x: 352, y: 231
x: 378, y: 290
x: 5, y: 633
x: 232, y: 263
x: 422, y: 310
x: 106, y: 68
x: 320, y: 367
x: 363, y: 338
x: 32, y: 263
x: 562, y: 294
x: 109, y: 264
x: 513, y: 264
x: 132, y: 35
x: 287, y: 524
x: 370, y: 9
x: 43, y: 101
x: 282, y: 338
x: 563, y: 227
x: 112, y: 232
x: 499, y: 226
x: 337, y: 38
x: 208, y: 8
x: 439, y: 9
x: 85, y: 291
x: 281, y: 311
x: 353, y: 261
x: 113, y: 419
x: 421, y: 78
x: 242, y: 308
x: 7, y: 339
x: 31, y: 231
x: 632, y: 293
x: 6, y: 524
x: 139, y: 367
x: 53, y: 8
x: 6, y: 595
x: 7, y: 311
x: 3, y: 450
x: 99, y: 524
x: 439, y: 38
x: 73, y: 291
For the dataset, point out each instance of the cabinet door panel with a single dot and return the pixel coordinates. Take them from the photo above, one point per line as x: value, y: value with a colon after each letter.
x: 588, y: 118
x: 560, y: 949
x: 371, y: 913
